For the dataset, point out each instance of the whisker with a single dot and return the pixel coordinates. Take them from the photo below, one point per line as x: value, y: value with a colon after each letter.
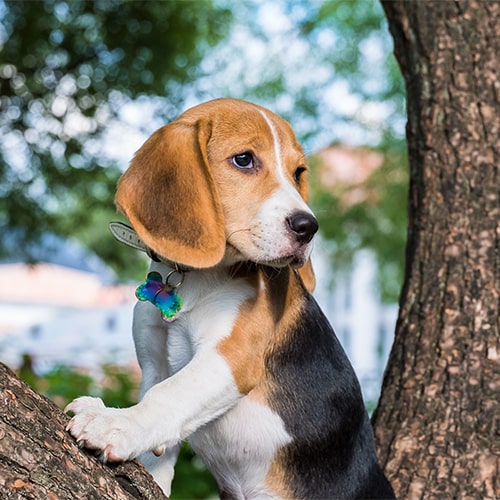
x: 238, y: 231
x: 235, y: 270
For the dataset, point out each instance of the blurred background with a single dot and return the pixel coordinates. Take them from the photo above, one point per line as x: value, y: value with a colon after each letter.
x: 83, y: 84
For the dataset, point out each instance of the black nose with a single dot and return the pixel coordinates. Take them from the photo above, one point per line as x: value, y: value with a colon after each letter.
x: 304, y: 226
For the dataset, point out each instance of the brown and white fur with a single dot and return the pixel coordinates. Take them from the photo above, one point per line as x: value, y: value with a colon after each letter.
x: 250, y: 371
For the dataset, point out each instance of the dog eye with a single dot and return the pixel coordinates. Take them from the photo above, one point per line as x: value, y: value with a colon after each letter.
x: 298, y: 174
x: 244, y: 160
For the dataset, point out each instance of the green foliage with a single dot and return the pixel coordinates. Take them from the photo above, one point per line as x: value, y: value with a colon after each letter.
x: 345, y: 85
x: 192, y: 480
x: 61, y: 384
x: 66, y: 70
x: 118, y: 387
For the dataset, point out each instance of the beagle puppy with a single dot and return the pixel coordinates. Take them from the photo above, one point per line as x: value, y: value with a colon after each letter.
x: 237, y: 356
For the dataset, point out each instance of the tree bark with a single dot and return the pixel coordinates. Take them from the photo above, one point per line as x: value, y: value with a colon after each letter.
x: 39, y: 459
x: 437, y: 421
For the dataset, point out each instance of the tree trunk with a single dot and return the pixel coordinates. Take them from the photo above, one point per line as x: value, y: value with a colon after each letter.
x: 40, y: 460
x: 437, y: 421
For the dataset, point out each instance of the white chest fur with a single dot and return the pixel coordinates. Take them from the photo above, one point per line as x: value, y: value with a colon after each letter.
x: 239, y: 436
x: 239, y: 447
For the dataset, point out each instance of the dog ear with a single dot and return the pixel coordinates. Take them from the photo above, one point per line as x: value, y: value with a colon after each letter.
x: 169, y: 196
x: 307, y: 275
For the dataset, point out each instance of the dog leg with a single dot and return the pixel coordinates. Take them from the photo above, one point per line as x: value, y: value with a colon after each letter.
x: 150, y: 340
x: 168, y: 413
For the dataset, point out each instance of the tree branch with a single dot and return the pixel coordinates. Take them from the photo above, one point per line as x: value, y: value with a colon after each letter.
x: 39, y: 459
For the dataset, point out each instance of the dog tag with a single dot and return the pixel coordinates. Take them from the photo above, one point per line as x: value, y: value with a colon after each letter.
x: 161, y: 295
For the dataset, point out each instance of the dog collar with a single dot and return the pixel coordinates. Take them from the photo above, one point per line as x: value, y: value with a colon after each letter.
x: 161, y: 293
x: 128, y: 236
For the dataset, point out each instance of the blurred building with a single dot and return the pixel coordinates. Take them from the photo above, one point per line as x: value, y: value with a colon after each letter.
x: 64, y: 310
x: 363, y: 324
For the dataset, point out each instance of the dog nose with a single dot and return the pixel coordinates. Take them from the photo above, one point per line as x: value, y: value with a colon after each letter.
x: 304, y: 225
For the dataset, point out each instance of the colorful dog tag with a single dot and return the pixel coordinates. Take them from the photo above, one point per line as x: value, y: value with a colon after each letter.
x: 160, y: 294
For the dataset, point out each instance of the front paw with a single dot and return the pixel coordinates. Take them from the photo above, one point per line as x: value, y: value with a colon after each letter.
x: 112, y: 431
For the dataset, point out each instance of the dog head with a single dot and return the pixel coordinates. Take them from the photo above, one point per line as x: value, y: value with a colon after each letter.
x: 223, y: 183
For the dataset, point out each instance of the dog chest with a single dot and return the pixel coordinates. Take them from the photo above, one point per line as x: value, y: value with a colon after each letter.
x: 239, y: 448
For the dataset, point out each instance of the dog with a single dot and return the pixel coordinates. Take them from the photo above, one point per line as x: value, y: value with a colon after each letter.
x: 236, y: 355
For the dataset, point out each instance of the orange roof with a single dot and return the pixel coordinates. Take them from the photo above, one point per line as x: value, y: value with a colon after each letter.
x: 345, y: 170
x: 56, y: 285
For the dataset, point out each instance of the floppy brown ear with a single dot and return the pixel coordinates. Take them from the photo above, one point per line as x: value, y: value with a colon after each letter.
x: 169, y: 196
x: 307, y: 275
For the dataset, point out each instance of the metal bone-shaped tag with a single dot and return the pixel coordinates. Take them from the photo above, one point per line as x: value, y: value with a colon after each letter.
x: 160, y: 294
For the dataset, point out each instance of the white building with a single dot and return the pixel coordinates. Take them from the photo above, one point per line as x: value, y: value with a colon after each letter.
x: 60, y: 315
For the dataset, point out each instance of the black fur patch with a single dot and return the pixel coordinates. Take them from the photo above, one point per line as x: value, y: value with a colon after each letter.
x: 315, y: 391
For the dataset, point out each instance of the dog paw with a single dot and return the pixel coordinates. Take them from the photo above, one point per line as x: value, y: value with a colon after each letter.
x: 85, y: 402
x: 112, y: 431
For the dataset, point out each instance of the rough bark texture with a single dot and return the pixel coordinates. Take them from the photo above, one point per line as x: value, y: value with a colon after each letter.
x: 437, y: 421
x: 40, y: 460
